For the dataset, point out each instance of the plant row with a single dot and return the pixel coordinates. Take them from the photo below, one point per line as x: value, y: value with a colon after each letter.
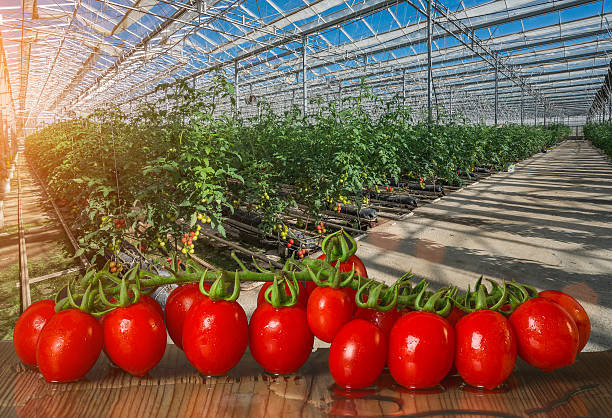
x: 600, y: 134
x: 420, y: 334
x: 135, y: 175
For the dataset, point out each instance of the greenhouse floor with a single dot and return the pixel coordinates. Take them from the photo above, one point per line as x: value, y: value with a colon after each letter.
x: 548, y: 224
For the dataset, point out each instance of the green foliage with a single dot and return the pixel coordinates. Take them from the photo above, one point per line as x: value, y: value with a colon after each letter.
x: 600, y: 134
x: 179, y: 158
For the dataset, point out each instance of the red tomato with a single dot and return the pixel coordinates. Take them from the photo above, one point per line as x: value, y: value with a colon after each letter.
x: 357, y: 355
x: 547, y: 336
x: 302, y: 297
x: 28, y: 327
x: 383, y: 320
x: 486, y: 349
x: 179, y: 301
x: 146, y: 299
x: 215, y: 336
x: 327, y: 311
x: 421, y: 349
x: 135, y: 337
x: 68, y: 346
x: 279, y: 338
x: 153, y: 303
x: 455, y: 315
x: 347, y: 265
x: 576, y: 311
x: 310, y: 286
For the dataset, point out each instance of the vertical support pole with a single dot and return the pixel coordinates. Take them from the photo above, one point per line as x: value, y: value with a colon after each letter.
x: 404, y: 87
x: 535, y: 121
x: 304, y: 85
x: 429, y: 71
x: 544, y: 115
x: 496, y: 81
x: 522, y: 106
x: 236, y: 87
x: 609, y: 107
x: 450, y: 103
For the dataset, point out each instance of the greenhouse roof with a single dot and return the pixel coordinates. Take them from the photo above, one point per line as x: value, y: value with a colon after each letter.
x: 65, y: 58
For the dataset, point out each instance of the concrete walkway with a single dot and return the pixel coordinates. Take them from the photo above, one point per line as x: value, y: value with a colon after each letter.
x: 549, y: 225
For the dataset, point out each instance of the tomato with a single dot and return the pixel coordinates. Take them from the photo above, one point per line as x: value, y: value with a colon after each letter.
x: 152, y: 303
x: 302, y: 297
x: 576, y: 311
x: 135, y: 337
x: 215, y: 336
x: 310, y: 286
x: 486, y: 349
x: 357, y: 355
x: 68, y: 346
x: 347, y: 265
x: 421, y: 349
x: 179, y: 301
x: 279, y: 338
x: 28, y: 327
x: 547, y: 336
x: 383, y: 320
x: 455, y: 315
x: 327, y: 311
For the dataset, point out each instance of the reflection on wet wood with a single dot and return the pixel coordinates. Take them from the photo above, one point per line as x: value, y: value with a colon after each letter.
x: 174, y: 388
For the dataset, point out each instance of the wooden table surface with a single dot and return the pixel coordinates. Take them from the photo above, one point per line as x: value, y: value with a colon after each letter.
x: 174, y: 388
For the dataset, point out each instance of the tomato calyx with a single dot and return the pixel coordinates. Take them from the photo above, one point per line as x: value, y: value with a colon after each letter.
x: 335, y: 279
x: 276, y: 295
x: 481, y: 298
x: 219, y: 290
x: 430, y: 302
x: 338, y: 246
x: 384, y: 303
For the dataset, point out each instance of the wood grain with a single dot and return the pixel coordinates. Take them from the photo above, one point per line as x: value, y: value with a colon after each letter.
x: 175, y: 389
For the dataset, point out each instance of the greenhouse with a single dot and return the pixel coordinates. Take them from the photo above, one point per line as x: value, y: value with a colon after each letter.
x: 305, y: 207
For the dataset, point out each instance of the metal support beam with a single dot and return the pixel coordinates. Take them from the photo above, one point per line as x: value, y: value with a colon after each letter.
x: 304, y: 84
x: 535, y: 119
x: 450, y: 102
x: 522, y: 106
x: 236, y: 87
x: 496, y: 88
x: 429, y: 70
x: 404, y: 88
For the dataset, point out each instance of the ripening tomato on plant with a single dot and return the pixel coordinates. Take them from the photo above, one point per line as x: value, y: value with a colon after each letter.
x: 28, y: 327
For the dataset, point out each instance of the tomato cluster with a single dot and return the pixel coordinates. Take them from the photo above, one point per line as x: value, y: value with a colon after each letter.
x: 480, y: 333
